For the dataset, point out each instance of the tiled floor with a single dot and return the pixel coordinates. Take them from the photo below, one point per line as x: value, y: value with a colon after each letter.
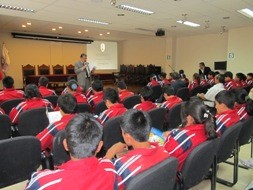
x: 244, y: 179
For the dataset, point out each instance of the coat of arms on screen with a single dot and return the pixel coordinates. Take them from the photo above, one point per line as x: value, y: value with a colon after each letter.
x: 102, y: 47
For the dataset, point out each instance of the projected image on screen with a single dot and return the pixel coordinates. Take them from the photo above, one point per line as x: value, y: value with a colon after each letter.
x: 103, y: 55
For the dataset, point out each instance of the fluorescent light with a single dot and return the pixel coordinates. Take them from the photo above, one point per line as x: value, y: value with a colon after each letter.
x: 135, y: 9
x: 29, y: 24
x: 14, y: 8
x: 188, y: 23
x: 23, y: 25
x: 60, y: 27
x: 246, y: 12
x: 93, y: 21
x: 86, y: 30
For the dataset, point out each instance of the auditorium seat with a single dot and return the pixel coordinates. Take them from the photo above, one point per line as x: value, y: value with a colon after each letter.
x: 43, y: 69
x: 58, y: 69
x: 9, y: 104
x: 26, y: 71
x: 5, y: 127
x: 70, y: 69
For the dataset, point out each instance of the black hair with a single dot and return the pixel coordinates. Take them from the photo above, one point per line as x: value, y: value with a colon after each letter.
x: 250, y: 74
x: 217, y: 72
x: 196, y: 77
x: 43, y: 81
x: 72, y: 84
x: 211, y: 73
x: 121, y: 85
x: 163, y: 75
x: 8, y: 82
x: 174, y: 75
x: 137, y: 124
x: 83, y: 55
x: 97, y: 85
x: 83, y: 134
x: 220, y: 78
x: 181, y: 71
x: 169, y: 90
x: 241, y: 97
x: 228, y: 74
x: 111, y: 94
x: 202, y: 63
x: 241, y: 76
x: 31, y: 91
x: 198, y: 111
x: 226, y: 97
x: 67, y: 103
x: 146, y: 93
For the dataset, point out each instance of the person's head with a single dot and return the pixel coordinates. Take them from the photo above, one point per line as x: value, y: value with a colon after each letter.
x: 211, y: 75
x: 72, y: 85
x: 163, y: 75
x: 224, y: 101
x: 217, y: 72
x: 146, y: 93
x: 83, y: 136
x: 8, y: 82
x: 71, y: 78
x: 181, y: 71
x: 152, y: 77
x: 175, y: 75
x: 168, y: 91
x: 97, y: 85
x: 83, y: 57
x: 201, y: 65
x: 240, y: 77
x: 32, y: 91
x: 249, y: 76
x: 121, y: 85
x: 43, y: 81
x: 135, y: 126
x: 110, y: 97
x: 228, y: 76
x: 219, y: 79
x: 67, y: 103
x: 195, y: 112
x: 196, y: 77
x: 241, y: 97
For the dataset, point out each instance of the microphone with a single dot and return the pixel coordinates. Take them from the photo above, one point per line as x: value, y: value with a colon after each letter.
x: 172, y: 69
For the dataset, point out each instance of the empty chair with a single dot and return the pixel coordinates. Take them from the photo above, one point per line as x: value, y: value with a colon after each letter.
x: 32, y: 122
x: 159, y: 177
x: 58, y: 69
x: 60, y: 155
x: 53, y: 99
x: 183, y: 93
x: 131, y: 101
x: 43, y: 69
x: 99, y: 108
x: 70, y: 69
x: 83, y: 107
x: 196, y: 90
x: 174, y: 117
x: 157, y: 117
x: 197, y: 165
x: 26, y: 71
x: 157, y: 92
x: 5, y: 127
x: 9, y: 104
x: 19, y: 157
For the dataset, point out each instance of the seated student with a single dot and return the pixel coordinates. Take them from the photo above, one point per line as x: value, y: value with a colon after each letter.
x: 135, y: 128
x: 72, y: 87
x: 123, y: 92
x: 183, y: 76
x: 97, y: 91
x: 249, y: 79
x: 243, y: 104
x: 44, y: 91
x: 33, y: 100
x: 89, y: 91
x: 146, y: 100
x: 84, y: 170
x: 229, y: 82
x: 211, y: 78
x: 197, y: 127
x: 226, y: 114
x: 79, y: 88
x: 153, y: 81
x: 171, y: 99
x: 195, y: 81
x: 240, y: 80
x: 177, y: 83
x: 111, y: 99
x: 67, y: 104
x: 9, y: 92
x: 164, y: 81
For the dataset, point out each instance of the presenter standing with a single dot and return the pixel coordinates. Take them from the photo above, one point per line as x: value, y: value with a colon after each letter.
x: 83, y: 71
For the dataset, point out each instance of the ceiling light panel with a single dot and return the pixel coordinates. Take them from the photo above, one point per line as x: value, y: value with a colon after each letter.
x: 188, y: 23
x: 135, y: 9
x: 15, y: 8
x: 93, y: 21
x: 246, y: 12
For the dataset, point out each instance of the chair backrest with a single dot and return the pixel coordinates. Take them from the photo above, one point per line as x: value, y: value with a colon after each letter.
x: 112, y: 132
x: 28, y: 70
x: 131, y: 101
x: 246, y: 131
x: 43, y: 69
x: 5, y: 127
x: 60, y: 155
x: 183, y: 93
x: 70, y: 69
x: 157, y: 116
x: 196, y: 90
x: 58, y: 69
x: 228, y: 141
x: 53, y: 99
x: 33, y: 121
x: 157, y: 91
x: 159, y: 177
x: 198, y: 163
x: 83, y: 107
x: 9, y: 104
x: 99, y: 108
x: 174, y: 116
x: 20, y: 156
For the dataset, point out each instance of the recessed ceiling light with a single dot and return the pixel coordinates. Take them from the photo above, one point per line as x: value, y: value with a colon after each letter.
x: 86, y: 30
x: 100, y: 34
x: 29, y: 24
x: 188, y: 23
x: 135, y: 9
x: 14, y: 8
x: 53, y: 29
x: 108, y: 33
x: 246, y: 12
x: 93, y: 21
x: 24, y: 26
x: 79, y: 32
x: 60, y: 27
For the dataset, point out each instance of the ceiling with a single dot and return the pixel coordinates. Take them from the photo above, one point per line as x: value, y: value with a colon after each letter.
x: 54, y: 13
